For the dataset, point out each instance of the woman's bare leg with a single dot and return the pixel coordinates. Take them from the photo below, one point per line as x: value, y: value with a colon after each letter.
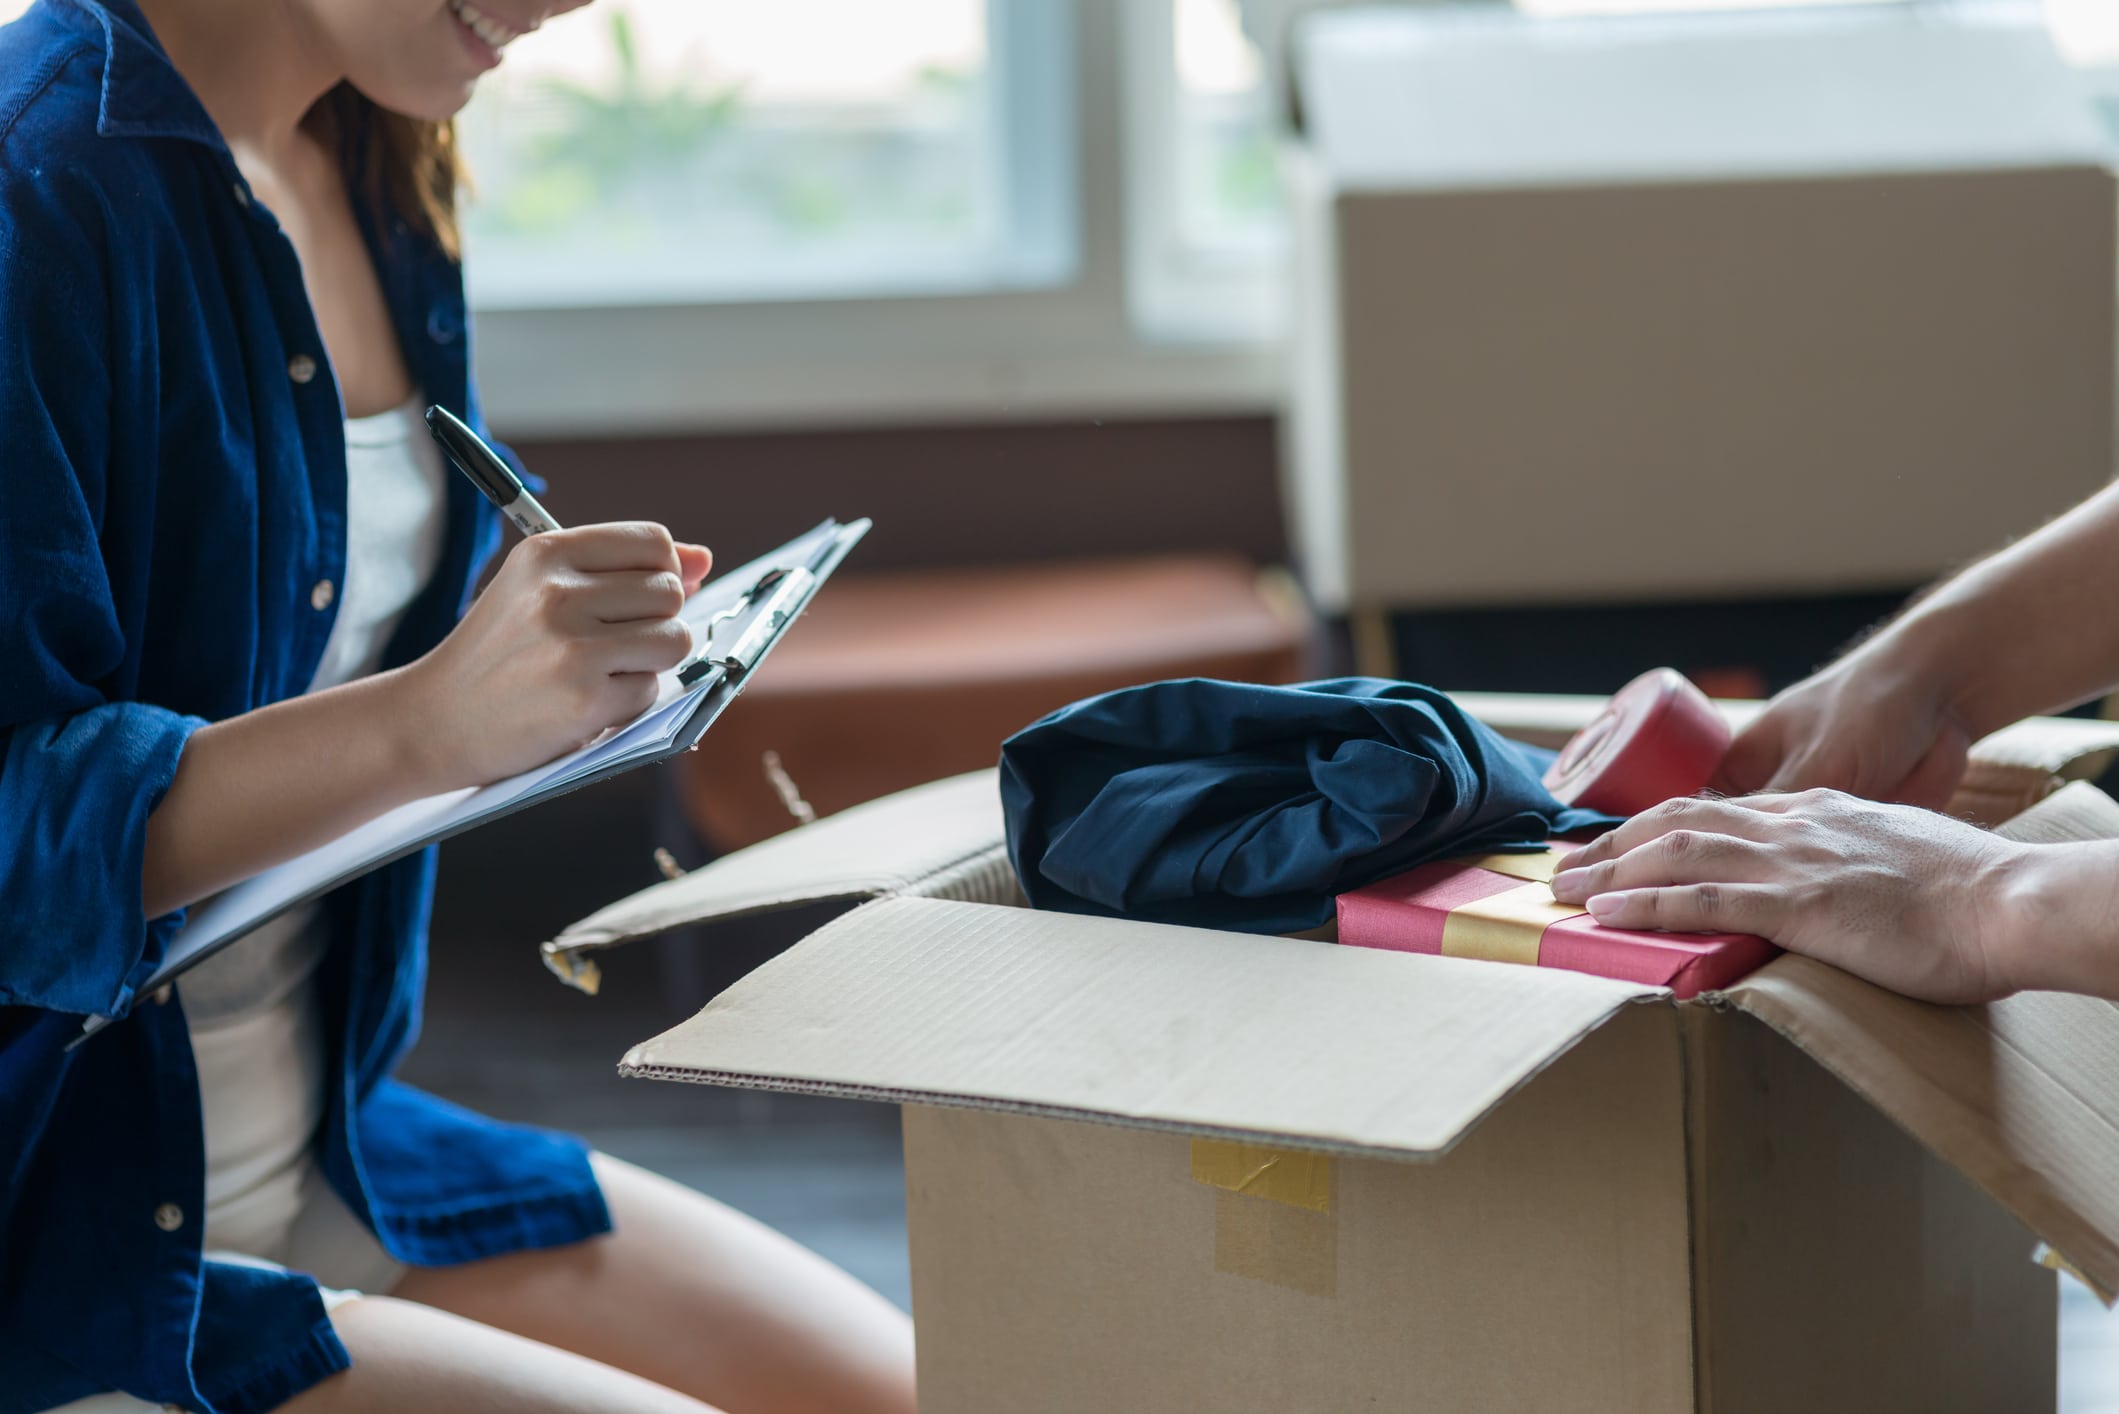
x: 697, y: 1297
x: 410, y: 1359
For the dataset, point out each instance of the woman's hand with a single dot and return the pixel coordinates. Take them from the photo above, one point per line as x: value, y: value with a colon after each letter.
x: 1872, y: 724
x: 1909, y: 899
x: 567, y: 641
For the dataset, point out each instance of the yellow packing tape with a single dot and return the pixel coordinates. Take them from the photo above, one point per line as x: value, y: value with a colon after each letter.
x: 1506, y: 927
x: 2051, y: 1260
x: 1273, y: 1219
x: 1291, y: 1176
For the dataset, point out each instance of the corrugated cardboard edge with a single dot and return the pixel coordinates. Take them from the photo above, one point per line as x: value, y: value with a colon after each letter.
x: 2053, y: 1158
x: 942, y: 840
x: 2077, y: 811
x: 633, y: 1066
x: 903, y: 986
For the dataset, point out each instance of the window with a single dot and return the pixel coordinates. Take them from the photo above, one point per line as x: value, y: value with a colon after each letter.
x: 713, y: 213
x: 1228, y: 187
x: 673, y: 151
x: 1205, y: 225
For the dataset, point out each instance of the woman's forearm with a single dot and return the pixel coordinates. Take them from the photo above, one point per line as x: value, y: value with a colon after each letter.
x: 2032, y: 628
x: 258, y: 789
x: 566, y: 641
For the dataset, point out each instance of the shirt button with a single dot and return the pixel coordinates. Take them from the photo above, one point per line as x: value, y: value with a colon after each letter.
x: 242, y: 195
x: 169, y: 1217
x: 301, y: 368
x: 444, y: 324
x: 320, y: 597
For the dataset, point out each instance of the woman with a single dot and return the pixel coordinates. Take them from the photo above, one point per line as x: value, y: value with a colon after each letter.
x: 231, y: 569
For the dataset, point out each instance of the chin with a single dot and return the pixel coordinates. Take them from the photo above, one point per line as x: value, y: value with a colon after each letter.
x: 426, y: 103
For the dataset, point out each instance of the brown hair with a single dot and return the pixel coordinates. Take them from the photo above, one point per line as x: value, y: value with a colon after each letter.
x: 406, y: 168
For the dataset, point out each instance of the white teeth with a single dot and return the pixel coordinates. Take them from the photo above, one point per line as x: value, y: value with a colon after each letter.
x: 481, y: 24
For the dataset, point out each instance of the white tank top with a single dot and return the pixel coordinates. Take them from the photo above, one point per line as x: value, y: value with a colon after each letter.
x: 255, y: 1031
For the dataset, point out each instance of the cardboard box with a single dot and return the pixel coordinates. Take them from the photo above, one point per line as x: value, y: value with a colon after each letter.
x: 1154, y: 1168
x: 1607, y: 310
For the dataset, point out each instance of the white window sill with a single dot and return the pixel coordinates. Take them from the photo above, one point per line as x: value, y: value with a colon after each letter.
x: 642, y: 372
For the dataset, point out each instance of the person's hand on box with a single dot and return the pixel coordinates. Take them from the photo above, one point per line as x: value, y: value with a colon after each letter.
x: 1871, y: 724
x: 1914, y: 901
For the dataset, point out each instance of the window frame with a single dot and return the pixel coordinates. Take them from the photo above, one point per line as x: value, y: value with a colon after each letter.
x: 1177, y: 290
x: 1143, y: 326
x: 1065, y: 350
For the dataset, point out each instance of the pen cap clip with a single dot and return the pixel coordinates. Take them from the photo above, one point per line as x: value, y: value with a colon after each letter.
x: 471, y: 456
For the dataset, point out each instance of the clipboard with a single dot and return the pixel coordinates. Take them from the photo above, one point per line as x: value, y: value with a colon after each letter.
x: 736, y: 621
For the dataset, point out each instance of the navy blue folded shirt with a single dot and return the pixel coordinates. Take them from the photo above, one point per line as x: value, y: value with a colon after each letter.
x: 1231, y: 805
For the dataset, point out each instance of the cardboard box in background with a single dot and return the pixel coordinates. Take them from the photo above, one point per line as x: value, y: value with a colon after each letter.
x: 1688, y: 307
x: 1157, y: 1168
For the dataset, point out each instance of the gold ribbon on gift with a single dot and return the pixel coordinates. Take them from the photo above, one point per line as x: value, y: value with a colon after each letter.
x: 1506, y: 927
x: 1509, y: 926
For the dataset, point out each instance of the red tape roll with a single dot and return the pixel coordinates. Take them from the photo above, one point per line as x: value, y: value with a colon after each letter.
x: 1657, y: 739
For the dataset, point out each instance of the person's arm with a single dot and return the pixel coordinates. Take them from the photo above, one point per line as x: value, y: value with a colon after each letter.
x: 113, y: 811
x: 2030, y: 629
x: 1907, y: 898
x: 2061, y: 920
x: 565, y: 642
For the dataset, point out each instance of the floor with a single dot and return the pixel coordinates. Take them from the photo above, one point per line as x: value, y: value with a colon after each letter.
x: 512, y: 1043
x: 505, y: 1038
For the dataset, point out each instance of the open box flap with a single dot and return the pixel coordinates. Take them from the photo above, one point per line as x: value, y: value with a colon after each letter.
x: 2007, y: 773
x: 2020, y: 765
x: 944, y: 1003
x: 943, y: 840
x: 2077, y: 811
x: 2021, y: 1095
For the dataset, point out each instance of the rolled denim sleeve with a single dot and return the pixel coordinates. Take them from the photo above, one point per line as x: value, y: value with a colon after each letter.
x: 75, y: 794
x: 80, y: 769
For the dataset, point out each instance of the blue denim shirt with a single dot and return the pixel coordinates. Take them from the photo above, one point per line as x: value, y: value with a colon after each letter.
x: 172, y: 486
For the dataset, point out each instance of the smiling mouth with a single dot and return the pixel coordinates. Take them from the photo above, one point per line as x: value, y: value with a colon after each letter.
x: 490, y: 28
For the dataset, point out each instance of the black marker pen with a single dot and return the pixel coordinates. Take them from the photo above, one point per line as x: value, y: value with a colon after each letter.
x: 493, y: 476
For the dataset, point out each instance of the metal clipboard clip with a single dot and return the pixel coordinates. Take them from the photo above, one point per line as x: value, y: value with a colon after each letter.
x: 776, y: 598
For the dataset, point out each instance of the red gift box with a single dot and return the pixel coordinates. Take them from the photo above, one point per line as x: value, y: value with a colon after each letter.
x: 1500, y: 908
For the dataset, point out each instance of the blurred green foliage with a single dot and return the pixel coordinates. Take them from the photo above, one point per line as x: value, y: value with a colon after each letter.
x: 611, y: 138
x: 650, y: 154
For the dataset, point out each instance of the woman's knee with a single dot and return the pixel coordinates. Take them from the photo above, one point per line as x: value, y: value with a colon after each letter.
x: 412, y: 1359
